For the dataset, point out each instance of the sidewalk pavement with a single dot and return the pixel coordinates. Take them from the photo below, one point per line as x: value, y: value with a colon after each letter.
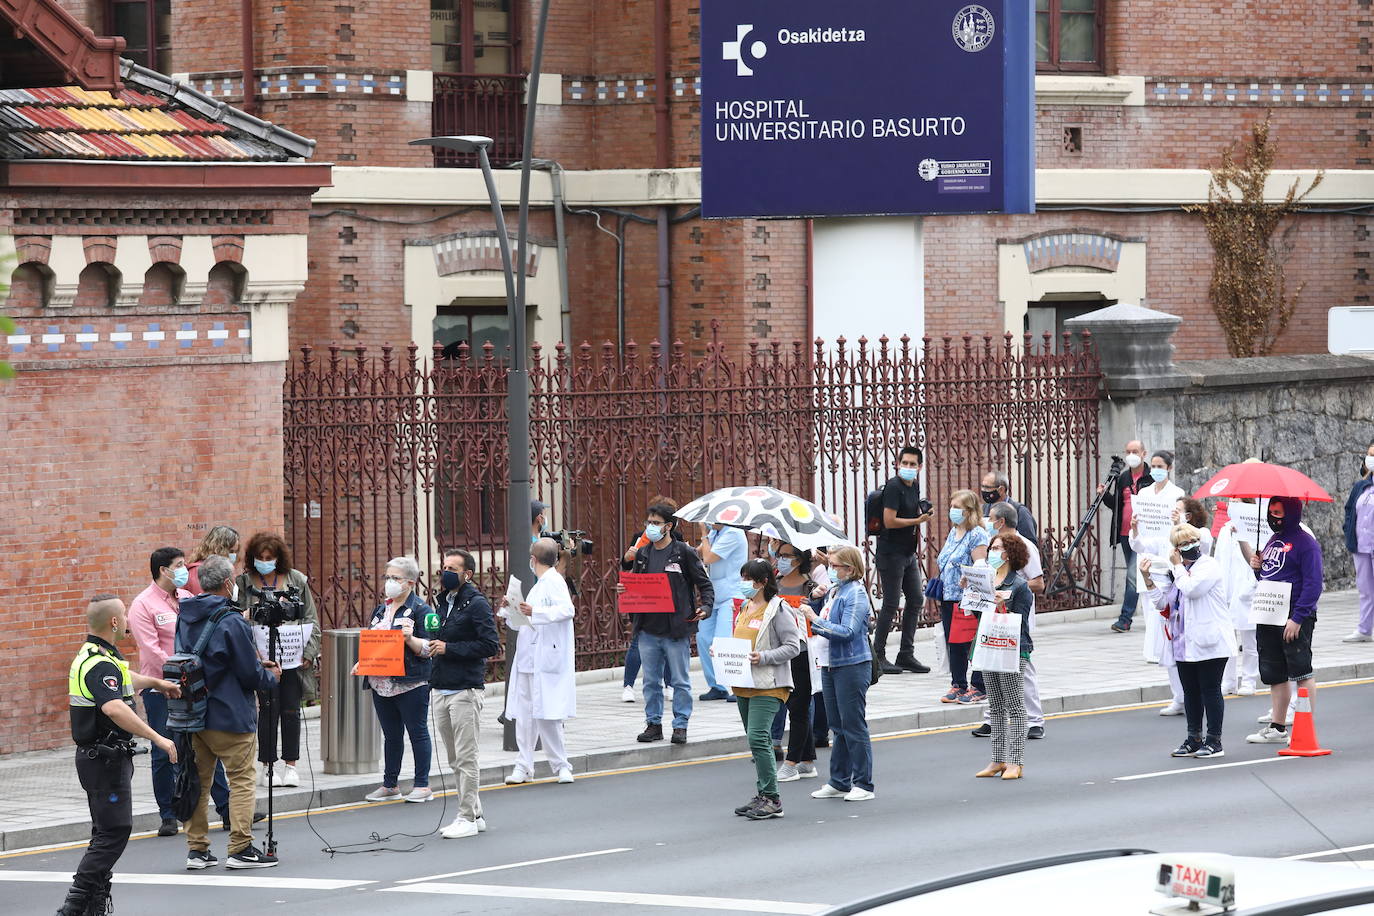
x: 1081, y: 665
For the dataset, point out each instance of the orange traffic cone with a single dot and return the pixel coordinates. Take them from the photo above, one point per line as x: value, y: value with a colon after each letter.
x: 1304, y: 740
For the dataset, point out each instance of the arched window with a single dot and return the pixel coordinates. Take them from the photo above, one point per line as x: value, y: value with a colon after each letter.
x: 162, y: 285
x: 31, y: 286
x: 98, y: 286
x: 225, y: 285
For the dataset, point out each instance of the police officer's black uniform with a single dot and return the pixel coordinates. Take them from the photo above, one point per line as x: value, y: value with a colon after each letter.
x: 104, y: 763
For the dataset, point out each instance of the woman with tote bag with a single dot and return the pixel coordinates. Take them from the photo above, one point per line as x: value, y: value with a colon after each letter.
x: 1007, y: 555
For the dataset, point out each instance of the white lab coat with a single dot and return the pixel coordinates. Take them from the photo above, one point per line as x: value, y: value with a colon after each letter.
x: 544, y: 650
x: 1207, y: 628
x: 1153, y: 647
x: 1237, y: 575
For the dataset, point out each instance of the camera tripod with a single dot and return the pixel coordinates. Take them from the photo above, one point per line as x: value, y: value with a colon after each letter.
x: 271, y: 700
x: 1055, y: 587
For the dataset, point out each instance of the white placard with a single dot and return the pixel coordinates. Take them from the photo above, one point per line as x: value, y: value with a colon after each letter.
x: 510, y: 608
x: 291, y: 640
x: 1270, y: 603
x: 1154, y: 516
x: 1250, y: 524
x: 978, y: 597
x: 731, y: 655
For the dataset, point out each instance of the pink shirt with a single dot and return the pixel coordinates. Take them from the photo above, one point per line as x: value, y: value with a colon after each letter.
x: 153, y: 621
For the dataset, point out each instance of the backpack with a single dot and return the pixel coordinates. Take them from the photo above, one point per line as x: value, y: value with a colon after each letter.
x: 187, y: 670
x: 873, y: 513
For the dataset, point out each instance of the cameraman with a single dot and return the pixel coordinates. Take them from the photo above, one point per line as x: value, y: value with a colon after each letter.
x: 268, y: 573
x: 232, y: 674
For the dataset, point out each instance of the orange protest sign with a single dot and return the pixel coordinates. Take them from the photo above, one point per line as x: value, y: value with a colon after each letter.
x: 381, y: 653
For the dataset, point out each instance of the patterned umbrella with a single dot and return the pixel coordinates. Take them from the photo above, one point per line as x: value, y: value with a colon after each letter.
x: 775, y: 513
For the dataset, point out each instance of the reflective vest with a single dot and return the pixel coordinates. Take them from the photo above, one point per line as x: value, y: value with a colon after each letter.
x: 88, y: 656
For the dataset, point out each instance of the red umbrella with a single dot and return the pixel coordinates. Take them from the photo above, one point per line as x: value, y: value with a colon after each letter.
x: 1259, y: 480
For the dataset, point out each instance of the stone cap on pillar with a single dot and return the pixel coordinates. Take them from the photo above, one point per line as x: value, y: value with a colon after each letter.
x: 1134, y: 346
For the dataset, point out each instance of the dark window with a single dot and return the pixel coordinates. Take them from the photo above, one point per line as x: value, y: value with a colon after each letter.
x: 146, y: 27
x: 474, y: 326
x: 473, y: 36
x: 1068, y: 35
x: 1048, y: 316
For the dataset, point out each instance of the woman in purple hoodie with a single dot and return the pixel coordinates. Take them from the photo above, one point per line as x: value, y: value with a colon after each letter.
x: 1285, y: 652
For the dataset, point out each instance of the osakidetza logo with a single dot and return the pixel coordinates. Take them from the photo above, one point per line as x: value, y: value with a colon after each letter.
x: 747, y: 52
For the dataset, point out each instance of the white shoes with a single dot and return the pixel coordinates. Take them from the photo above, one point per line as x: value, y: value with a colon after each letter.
x: 1357, y: 636
x: 1246, y: 690
x: 420, y: 794
x: 382, y: 793
x: 565, y: 775
x: 627, y: 695
x: 829, y: 791
x: 459, y: 829
x: 517, y: 777
x: 857, y: 794
x: 289, y: 776
x: 1268, y: 735
x: 1267, y: 718
x: 1173, y: 709
x: 481, y: 824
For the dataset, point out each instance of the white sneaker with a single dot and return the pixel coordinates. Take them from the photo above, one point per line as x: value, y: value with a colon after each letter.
x: 828, y: 791
x: 788, y: 773
x: 420, y: 794
x: 262, y: 776
x: 1246, y: 690
x: 807, y: 771
x: 1268, y: 735
x: 278, y: 776
x: 460, y: 828
x: 627, y: 695
x: 517, y: 776
x: 1266, y: 718
x: 481, y: 825
x: 857, y: 794
x: 1173, y: 709
x: 1357, y: 636
x: 289, y: 776
x: 382, y: 793
x: 565, y: 775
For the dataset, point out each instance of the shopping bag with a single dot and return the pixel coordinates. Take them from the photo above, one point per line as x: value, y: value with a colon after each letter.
x: 941, y: 663
x: 998, y: 644
x: 963, y: 627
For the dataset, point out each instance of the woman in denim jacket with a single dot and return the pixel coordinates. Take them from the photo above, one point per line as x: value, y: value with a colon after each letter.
x: 846, y: 660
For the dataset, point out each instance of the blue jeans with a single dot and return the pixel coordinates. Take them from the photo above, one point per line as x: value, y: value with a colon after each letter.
x: 165, y: 772
x: 846, y: 702
x: 666, y: 660
x: 1128, y: 604
x: 401, y: 715
x: 719, y: 624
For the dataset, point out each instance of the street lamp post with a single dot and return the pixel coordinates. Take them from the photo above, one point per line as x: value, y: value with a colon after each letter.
x: 517, y: 398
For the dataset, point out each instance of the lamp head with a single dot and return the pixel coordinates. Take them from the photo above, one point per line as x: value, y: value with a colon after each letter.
x: 463, y: 144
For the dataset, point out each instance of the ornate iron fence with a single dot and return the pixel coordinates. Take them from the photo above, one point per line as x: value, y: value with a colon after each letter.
x: 392, y: 454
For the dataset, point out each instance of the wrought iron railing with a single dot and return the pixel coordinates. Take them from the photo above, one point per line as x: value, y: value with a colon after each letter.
x: 487, y: 105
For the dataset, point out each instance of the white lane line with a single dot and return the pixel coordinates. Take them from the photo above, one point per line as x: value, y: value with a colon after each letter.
x: 1331, y: 852
x: 1202, y: 769
x: 738, y: 905
x: 478, y: 871
x: 298, y: 884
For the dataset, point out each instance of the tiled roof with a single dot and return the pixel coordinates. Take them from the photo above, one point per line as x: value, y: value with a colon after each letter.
x: 133, y: 125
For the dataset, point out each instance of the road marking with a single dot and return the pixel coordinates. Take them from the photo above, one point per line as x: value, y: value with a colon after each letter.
x: 1201, y: 769
x: 735, y: 904
x: 1331, y: 852
x: 298, y: 884
x: 478, y: 871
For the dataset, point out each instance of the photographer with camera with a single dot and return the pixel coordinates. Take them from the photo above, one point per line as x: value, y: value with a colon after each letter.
x: 899, y: 570
x: 1135, y: 478
x: 232, y: 674
x: 270, y: 580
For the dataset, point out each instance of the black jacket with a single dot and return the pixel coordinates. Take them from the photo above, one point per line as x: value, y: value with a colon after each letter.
x: 468, y: 632
x: 1116, y: 498
x: 690, y: 584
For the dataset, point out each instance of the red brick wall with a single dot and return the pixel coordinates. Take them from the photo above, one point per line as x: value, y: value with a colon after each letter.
x: 109, y: 464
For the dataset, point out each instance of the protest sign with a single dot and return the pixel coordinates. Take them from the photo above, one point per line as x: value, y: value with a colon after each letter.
x: 510, y: 606
x: 978, y: 597
x: 1153, y: 515
x: 291, y: 640
x: 646, y: 593
x: 381, y: 653
x: 731, y: 657
x: 1250, y: 525
x: 1270, y: 603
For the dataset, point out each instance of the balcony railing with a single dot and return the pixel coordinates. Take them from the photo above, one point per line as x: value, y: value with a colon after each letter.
x: 489, y: 105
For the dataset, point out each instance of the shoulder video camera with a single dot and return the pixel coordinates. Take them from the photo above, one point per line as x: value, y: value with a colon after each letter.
x: 273, y: 608
x: 570, y: 541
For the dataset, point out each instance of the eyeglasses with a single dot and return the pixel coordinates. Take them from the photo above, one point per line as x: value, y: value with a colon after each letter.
x: 396, y: 578
x: 840, y: 566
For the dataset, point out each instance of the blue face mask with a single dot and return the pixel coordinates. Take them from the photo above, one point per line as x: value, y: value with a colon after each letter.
x: 995, y: 559
x: 957, y: 516
x: 1159, y: 475
x: 233, y: 558
x: 653, y: 532
x: 265, y: 567
x: 180, y: 577
x: 748, y: 589
x: 907, y: 474
x: 786, y: 565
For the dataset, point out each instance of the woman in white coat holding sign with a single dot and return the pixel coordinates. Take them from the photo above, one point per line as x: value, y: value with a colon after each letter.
x: 1156, y: 544
x: 543, y: 689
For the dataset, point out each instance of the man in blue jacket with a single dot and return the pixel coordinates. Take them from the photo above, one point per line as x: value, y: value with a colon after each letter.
x: 1285, y: 652
x: 233, y: 675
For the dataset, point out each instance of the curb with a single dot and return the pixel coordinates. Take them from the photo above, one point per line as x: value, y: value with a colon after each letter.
x: 636, y: 755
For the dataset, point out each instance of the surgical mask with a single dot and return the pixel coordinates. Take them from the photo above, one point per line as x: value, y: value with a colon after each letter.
x: 653, y: 532
x: 265, y: 567
x: 1159, y: 475
x: 393, y: 589
x: 1275, y: 523
x: 533, y: 538
x: 995, y: 559
x: 956, y: 516
x: 449, y: 580
x: 1190, y: 552
x: 1132, y: 460
x: 772, y: 552
x: 907, y: 474
x: 991, y: 496
x: 1369, y: 462
x: 234, y: 595
x: 748, y: 589
x: 180, y: 577
x: 786, y: 565
x: 989, y: 527
x: 233, y: 558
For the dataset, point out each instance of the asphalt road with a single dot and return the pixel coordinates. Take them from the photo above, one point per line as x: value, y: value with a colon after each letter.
x: 665, y: 839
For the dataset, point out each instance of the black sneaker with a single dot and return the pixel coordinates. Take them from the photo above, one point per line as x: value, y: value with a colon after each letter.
x: 679, y: 736
x: 1211, y: 748
x: 888, y: 668
x: 1035, y: 732
x: 909, y: 663
x: 1188, y: 748
x: 744, y: 808
x: 982, y: 731
x: 168, y: 827
x: 1119, y: 628
x: 653, y: 731
x: 764, y: 809
x: 197, y: 859
x: 715, y: 693
x: 251, y: 857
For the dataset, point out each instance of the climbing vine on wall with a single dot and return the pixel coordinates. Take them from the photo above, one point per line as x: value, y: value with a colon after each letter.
x: 1249, y: 292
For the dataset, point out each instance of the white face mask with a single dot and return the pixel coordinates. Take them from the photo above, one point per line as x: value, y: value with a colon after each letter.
x: 1132, y: 460
x: 393, y: 588
x: 234, y: 595
x: 1369, y: 462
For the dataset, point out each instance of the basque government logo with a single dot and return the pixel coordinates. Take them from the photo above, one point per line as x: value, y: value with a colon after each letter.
x: 973, y: 28
x: 736, y: 51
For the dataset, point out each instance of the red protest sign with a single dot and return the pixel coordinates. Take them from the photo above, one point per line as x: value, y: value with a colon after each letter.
x: 646, y: 593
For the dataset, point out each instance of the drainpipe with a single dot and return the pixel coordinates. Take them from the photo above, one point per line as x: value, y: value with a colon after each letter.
x: 565, y: 312
x: 810, y: 288
x: 250, y: 77
x: 663, y: 160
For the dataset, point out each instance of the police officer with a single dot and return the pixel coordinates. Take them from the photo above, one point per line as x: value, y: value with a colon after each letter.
x: 101, y: 689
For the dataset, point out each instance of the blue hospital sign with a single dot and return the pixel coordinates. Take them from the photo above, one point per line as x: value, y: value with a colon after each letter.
x: 816, y: 108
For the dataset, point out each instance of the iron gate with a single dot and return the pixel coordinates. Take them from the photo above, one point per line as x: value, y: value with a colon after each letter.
x: 391, y: 454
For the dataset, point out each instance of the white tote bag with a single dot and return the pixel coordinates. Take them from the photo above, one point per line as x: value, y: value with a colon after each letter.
x: 997, y: 647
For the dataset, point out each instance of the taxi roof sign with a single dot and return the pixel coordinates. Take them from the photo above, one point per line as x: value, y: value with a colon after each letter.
x: 1197, y: 884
